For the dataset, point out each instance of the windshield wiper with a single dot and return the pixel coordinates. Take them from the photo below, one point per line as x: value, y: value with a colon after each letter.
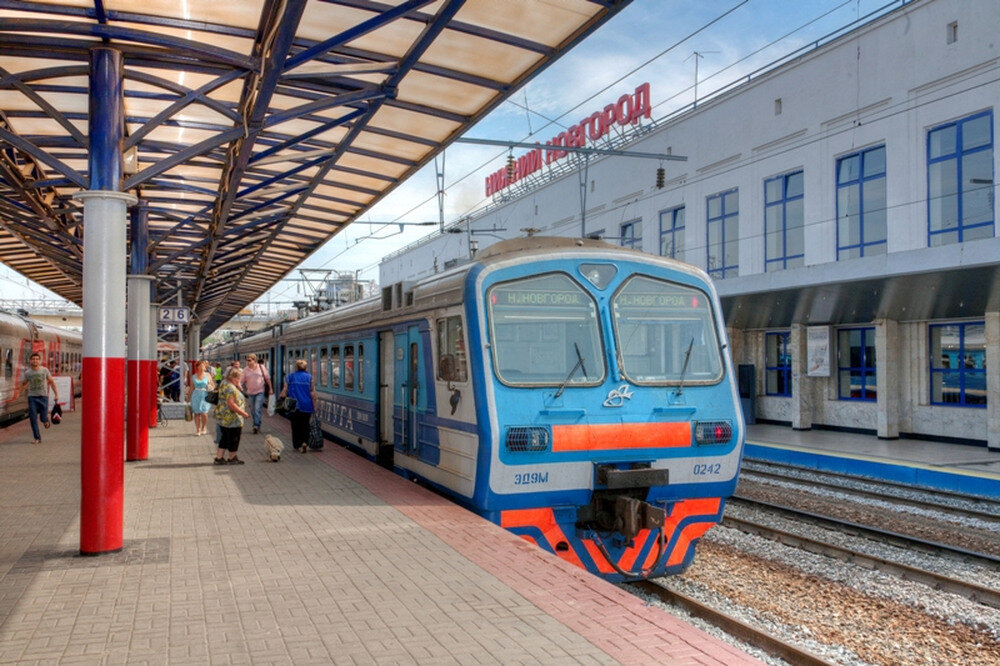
x: 684, y: 368
x: 579, y: 364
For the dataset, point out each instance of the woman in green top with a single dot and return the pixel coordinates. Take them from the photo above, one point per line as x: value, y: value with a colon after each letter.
x: 229, y: 414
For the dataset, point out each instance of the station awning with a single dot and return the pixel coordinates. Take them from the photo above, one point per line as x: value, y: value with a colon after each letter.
x: 256, y: 129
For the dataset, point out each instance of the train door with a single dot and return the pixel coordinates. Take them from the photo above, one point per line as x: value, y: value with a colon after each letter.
x: 386, y: 403
x: 407, y: 361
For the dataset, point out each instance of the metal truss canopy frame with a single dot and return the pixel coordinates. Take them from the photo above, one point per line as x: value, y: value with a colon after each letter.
x: 255, y: 130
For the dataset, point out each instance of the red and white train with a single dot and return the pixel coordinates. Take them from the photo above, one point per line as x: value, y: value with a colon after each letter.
x: 61, y: 350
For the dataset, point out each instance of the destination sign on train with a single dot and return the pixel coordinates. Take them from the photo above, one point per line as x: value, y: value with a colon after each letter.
x: 536, y: 297
x: 657, y: 300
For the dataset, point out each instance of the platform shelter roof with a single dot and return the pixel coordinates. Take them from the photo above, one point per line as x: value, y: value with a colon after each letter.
x: 255, y: 129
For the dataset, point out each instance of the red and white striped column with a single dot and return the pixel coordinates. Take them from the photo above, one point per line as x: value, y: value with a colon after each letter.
x: 138, y: 368
x: 102, y: 441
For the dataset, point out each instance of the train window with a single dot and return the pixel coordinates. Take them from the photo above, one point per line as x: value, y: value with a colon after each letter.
x: 452, y: 364
x: 361, y: 368
x: 335, y: 367
x: 665, y: 333
x: 348, y: 367
x: 324, y: 368
x: 545, y: 332
x: 313, y: 370
x: 8, y: 363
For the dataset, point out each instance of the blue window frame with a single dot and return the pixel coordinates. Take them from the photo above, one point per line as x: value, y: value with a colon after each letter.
x: 631, y: 234
x: 784, y: 219
x: 861, y: 211
x: 856, y: 364
x: 672, y: 233
x: 723, y: 216
x: 960, y: 180
x: 777, y: 364
x: 958, y: 364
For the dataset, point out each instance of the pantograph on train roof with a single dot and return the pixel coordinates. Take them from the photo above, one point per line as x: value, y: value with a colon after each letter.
x: 255, y: 129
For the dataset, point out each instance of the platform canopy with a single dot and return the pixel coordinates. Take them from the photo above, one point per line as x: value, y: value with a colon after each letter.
x: 255, y: 129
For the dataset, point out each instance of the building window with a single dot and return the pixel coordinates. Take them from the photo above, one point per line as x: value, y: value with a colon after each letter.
x: 723, y: 234
x: 672, y: 233
x: 952, y: 34
x: 958, y: 364
x: 861, y: 204
x: 784, y: 245
x: 778, y: 364
x: 960, y: 180
x: 631, y: 234
x: 856, y: 366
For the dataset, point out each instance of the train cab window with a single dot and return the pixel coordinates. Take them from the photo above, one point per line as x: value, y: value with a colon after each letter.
x: 361, y: 368
x: 452, y: 364
x: 665, y: 333
x: 324, y: 368
x: 335, y: 367
x: 348, y: 367
x: 8, y: 363
x: 545, y: 332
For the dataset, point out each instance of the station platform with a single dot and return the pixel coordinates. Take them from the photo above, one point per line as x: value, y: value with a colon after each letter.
x: 948, y: 466
x: 320, y: 558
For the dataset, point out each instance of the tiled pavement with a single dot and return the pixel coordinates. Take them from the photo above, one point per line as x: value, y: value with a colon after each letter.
x: 321, y: 558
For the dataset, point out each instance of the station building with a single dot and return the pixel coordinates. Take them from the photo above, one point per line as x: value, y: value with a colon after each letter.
x: 843, y: 199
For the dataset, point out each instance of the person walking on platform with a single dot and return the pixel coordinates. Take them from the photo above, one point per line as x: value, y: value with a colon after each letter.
x: 199, y: 384
x: 217, y: 373
x: 38, y: 379
x: 299, y: 385
x: 229, y: 414
x: 256, y: 385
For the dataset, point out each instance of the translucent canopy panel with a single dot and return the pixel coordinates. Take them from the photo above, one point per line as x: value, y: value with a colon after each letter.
x: 255, y: 130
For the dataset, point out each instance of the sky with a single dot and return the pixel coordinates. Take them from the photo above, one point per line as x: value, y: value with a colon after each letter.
x: 651, y: 41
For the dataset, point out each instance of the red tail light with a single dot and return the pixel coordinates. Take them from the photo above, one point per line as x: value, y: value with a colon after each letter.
x: 713, y: 432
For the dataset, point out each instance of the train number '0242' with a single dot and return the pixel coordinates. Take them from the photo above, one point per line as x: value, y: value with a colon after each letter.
x: 707, y: 470
x: 528, y: 478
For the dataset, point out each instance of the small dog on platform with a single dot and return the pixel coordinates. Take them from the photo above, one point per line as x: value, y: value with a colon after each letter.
x: 274, y: 447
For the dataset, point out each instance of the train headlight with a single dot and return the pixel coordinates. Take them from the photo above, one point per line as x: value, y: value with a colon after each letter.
x: 528, y: 438
x: 712, y: 432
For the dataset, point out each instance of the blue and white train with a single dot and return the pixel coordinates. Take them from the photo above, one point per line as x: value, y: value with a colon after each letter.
x: 577, y: 393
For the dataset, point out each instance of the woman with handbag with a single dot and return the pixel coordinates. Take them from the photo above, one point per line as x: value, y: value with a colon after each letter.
x: 299, y: 385
x: 229, y: 414
x: 199, y: 384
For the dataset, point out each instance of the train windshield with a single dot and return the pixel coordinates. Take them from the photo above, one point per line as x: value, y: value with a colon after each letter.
x: 545, y: 332
x: 665, y: 333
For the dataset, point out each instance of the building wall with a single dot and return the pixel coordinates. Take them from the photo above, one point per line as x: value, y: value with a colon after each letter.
x: 888, y: 82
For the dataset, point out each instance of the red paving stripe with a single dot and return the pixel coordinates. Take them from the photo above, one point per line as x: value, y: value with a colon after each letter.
x: 615, y: 621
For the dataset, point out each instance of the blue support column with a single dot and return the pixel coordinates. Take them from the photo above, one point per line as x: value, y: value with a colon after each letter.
x: 102, y: 468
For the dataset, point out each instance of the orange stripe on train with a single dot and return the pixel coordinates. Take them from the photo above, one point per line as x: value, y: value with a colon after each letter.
x: 592, y: 437
x: 545, y: 521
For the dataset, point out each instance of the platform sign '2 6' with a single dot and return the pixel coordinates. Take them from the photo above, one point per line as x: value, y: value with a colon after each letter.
x: 173, y: 314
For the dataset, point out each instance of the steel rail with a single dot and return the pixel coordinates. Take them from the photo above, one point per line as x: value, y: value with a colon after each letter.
x: 866, y: 531
x: 979, y: 593
x: 734, y: 627
x: 872, y: 494
x: 951, y: 494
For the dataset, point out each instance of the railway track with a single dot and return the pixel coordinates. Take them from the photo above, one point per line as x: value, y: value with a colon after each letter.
x: 990, y: 510
x: 732, y: 626
x: 885, y: 536
x: 972, y: 591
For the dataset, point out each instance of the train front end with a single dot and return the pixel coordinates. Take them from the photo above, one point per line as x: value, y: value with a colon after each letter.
x: 611, y: 427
